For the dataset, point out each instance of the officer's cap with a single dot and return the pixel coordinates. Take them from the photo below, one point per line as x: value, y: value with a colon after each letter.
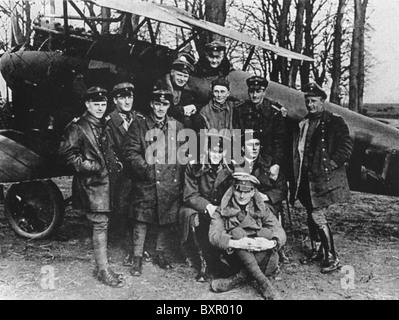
x: 96, y: 94
x: 217, y: 141
x: 215, y: 46
x: 221, y: 81
x: 182, y: 65
x: 250, y: 134
x: 122, y: 89
x: 255, y: 83
x: 314, y: 90
x: 244, y: 181
x: 161, y: 92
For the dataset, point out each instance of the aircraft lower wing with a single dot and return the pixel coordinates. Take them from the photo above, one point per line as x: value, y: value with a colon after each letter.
x: 176, y: 17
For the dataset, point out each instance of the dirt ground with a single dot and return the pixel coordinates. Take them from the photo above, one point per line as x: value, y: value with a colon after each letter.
x: 366, y: 235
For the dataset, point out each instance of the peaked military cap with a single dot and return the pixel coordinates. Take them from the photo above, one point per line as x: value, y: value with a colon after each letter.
x: 96, y: 94
x: 215, y: 45
x: 250, y: 134
x: 216, y: 141
x: 221, y: 81
x: 182, y: 65
x: 257, y: 82
x: 314, y: 90
x: 122, y: 88
x: 161, y: 92
x: 244, y: 181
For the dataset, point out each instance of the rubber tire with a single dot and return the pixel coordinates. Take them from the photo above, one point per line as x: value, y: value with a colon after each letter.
x: 38, y: 194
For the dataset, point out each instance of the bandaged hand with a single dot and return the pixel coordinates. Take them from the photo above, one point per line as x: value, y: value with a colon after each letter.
x: 274, y: 172
x: 189, y: 110
x: 210, y: 208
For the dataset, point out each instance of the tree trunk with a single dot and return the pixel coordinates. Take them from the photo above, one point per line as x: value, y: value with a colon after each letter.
x: 336, y: 63
x: 356, y: 76
x: 215, y: 11
x: 298, y: 42
x: 282, y: 32
x: 106, y: 14
x: 308, y: 49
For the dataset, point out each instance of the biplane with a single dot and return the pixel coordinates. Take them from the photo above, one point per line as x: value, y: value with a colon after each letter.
x: 49, y: 75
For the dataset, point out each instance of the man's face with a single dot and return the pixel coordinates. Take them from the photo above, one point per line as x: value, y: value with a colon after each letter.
x: 96, y: 108
x: 220, y: 94
x: 252, y: 148
x: 257, y: 95
x: 160, y: 108
x: 215, y: 58
x: 124, y: 102
x: 243, y: 197
x: 314, y: 104
x: 216, y: 157
x: 179, y: 78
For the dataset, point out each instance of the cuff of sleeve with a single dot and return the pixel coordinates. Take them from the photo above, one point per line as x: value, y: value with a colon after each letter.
x: 277, y: 247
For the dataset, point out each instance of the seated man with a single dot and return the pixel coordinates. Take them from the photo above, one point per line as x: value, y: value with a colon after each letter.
x: 273, y: 191
x: 214, y: 63
x: 204, y: 186
x: 243, y: 226
x: 218, y: 113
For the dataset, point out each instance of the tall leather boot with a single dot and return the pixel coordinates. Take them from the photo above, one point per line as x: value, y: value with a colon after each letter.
x: 102, y: 271
x: 251, y: 265
x: 331, y: 261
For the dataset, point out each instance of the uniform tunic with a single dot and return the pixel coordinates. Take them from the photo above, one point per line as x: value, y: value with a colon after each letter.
x: 82, y: 147
x: 268, y: 121
x: 157, y: 175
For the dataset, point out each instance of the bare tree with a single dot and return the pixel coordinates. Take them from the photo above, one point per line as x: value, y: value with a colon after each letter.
x: 298, y: 43
x: 357, y: 66
x: 336, y: 70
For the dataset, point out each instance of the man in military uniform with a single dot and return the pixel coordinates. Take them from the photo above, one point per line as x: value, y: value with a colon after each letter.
x: 83, y: 148
x: 204, y: 186
x: 118, y: 123
x: 273, y: 191
x: 185, y: 102
x: 214, y: 63
x: 218, y: 113
x: 262, y: 115
x: 244, y: 227
x: 149, y: 148
x: 321, y: 147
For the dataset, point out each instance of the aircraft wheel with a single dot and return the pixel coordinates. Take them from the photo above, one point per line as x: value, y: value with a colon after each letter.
x: 34, y: 209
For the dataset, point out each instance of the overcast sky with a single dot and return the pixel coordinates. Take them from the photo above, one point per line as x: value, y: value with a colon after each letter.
x: 383, y: 81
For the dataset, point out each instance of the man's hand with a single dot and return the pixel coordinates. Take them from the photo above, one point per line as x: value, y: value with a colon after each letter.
x: 263, y: 244
x: 210, y: 208
x: 189, y: 110
x: 264, y: 197
x: 274, y: 172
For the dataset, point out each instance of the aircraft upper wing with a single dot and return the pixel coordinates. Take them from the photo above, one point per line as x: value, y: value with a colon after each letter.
x: 176, y: 17
x: 145, y: 9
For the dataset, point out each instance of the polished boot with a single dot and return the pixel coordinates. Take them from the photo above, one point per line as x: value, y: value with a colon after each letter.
x: 227, y: 284
x: 331, y: 261
x: 315, y: 255
x: 102, y: 271
x: 203, y: 273
x: 137, y: 267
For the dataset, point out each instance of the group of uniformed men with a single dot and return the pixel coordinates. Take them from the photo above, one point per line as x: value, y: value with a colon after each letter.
x: 228, y: 210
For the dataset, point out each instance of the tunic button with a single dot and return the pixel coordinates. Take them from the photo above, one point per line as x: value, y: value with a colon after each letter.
x: 158, y: 182
x: 324, y: 150
x: 172, y: 138
x: 158, y: 171
x: 175, y: 180
x: 326, y: 169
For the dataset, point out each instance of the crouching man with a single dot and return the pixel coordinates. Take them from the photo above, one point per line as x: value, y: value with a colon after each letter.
x: 243, y: 226
x: 83, y: 148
